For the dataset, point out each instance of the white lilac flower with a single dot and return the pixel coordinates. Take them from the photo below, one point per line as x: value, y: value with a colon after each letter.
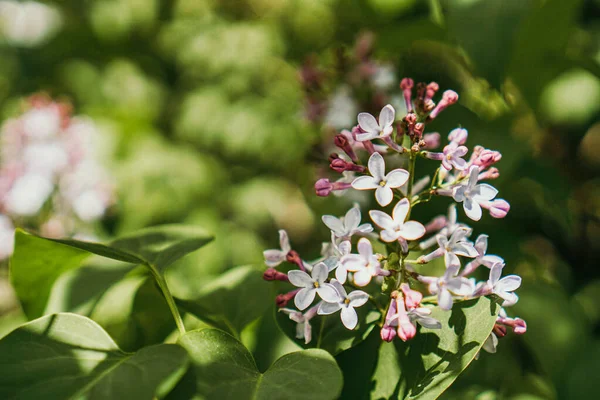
x: 453, y: 157
x: 422, y: 316
x: 450, y: 284
x: 347, y: 226
x: 365, y: 265
x: 472, y: 195
x: 274, y: 257
x: 374, y: 129
x: 487, y: 260
x: 333, y: 258
x: 395, y: 227
x: 303, y: 327
x: 457, y: 245
x: 382, y: 183
x: 346, y: 303
x: 505, y: 286
x: 312, y: 285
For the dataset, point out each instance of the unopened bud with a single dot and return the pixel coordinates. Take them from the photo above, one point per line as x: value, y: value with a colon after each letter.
x: 492, y: 173
x: 342, y: 142
x: 412, y: 298
x: 387, y: 333
x: 418, y: 131
x: 431, y: 140
x: 431, y: 90
x: 498, y: 208
x: 437, y: 224
x: 323, y: 187
x: 448, y: 98
x: 499, y: 330
x: 458, y: 135
x: 487, y: 158
x: 406, y: 85
x: 271, y: 274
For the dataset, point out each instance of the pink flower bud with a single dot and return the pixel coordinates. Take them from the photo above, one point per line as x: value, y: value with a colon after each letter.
x: 487, y: 158
x: 499, y: 330
x: 498, y: 208
x: 340, y: 166
x: 431, y: 90
x: 432, y: 140
x: 323, y: 187
x: 418, y: 131
x: 294, y: 258
x: 448, y: 98
x: 387, y: 333
x: 436, y: 224
x: 406, y: 85
x: 411, y: 118
x: 343, y: 143
x: 271, y: 274
x: 458, y: 135
x: 433, y: 156
x: 520, y: 326
x: 492, y: 173
x: 412, y: 298
x: 406, y: 330
x: 282, y: 299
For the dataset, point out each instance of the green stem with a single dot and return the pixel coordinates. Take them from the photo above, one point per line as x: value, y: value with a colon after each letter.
x: 162, y: 284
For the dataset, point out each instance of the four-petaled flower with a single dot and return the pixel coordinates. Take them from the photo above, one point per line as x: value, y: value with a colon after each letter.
x: 311, y: 285
x: 347, y: 303
x: 487, y: 260
x: 450, y: 284
x: 472, y: 195
x: 373, y: 129
x: 303, y: 328
x: 505, y: 286
x: 347, y: 226
x: 453, y: 154
x: 395, y: 227
x: 382, y: 183
x: 365, y: 265
x: 274, y: 257
x: 457, y: 245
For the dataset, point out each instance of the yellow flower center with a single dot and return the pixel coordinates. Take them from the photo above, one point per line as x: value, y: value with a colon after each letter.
x: 316, y: 285
x: 382, y: 183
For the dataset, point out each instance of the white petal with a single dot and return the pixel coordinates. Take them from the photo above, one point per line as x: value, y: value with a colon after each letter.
x: 452, y: 214
x: 481, y: 244
x: 412, y: 230
x: 377, y: 166
x: 401, y: 210
x: 451, y: 260
x: 460, y: 286
x: 442, y: 241
x: 341, y: 273
x: 389, y: 236
x: 361, y: 137
x: 387, y: 116
x: 304, y: 298
x: 349, y: 317
x: 510, y: 299
x: 300, y: 279
x: 362, y: 277
x: 474, y: 174
x: 397, y: 178
x: 490, y: 343
x: 352, y: 219
x: 365, y: 249
x: 320, y: 272
x: 486, y: 192
x: 445, y: 300
x: 345, y: 247
x: 365, y: 228
x: 328, y: 308
x: 384, y: 195
x: 495, y: 273
x: 368, y: 122
x: 472, y: 209
x: 429, y: 322
x: 458, y: 194
x: 381, y: 219
x: 339, y: 288
x: 273, y: 257
x: 353, y: 262
x: 365, y: 183
x: 284, y: 241
x: 328, y: 293
x: 335, y: 224
x: 509, y: 283
x: 491, y: 259
x: 464, y: 249
x: 358, y: 298
x: 307, y: 332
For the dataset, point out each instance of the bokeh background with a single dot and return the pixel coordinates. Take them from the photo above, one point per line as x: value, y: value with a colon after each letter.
x: 220, y: 113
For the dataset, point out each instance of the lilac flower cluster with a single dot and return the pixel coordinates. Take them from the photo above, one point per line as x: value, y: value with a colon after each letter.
x: 337, y: 278
x: 49, y: 177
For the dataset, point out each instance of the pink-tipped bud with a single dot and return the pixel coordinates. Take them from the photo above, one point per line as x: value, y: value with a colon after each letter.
x: 323, y: 187
x: 433, y: 155
x: 294, y: 258
x: 410, y: 118
x: 418, y: 131
x: 520, y: 326
x: 431, y: 90
x: 406, y: 85
x: 412, y: 298
x: 343, y: 143
x: 282, y: 299
x: 431, y: 140
x: 340, y: 166
x: 458, y: 135
x: 498, y: 208
x: 436, y: 224
x: 448, y: 98
x: 492, y: 173
x: 387, y: 333
x: 406, y: 330
x: 487, y: 158
x: 271, y: 274
x: 499, y: 330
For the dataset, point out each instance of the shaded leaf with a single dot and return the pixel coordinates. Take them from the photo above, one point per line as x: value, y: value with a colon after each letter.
x: 224, y: 369
x: 232, y: 301
x: 69, y: 356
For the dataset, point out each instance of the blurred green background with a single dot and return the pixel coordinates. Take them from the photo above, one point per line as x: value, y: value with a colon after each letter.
x: 204, y: 111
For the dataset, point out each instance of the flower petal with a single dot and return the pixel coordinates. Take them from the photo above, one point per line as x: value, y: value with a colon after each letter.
x: 490, y: 343
x: 472, y: 209
x: 353, y: 262
x: 365, y: 228
x: 300, y: 278
x: 495, y: 273
x: 510, y: 299
x: 389, y: 236
x: 273, y: 257
x: 328, y: 308
x: 349, y: 317
x: 307, y: 332
x: 358, y: 298
x: 451, y: 260
x: 376, y: 166
x: 341, y: 273
x: 335, y: 224
x: 362, y: 277
x: 381, y: 219
x: 284, y: 241
x: 352, y: 219
x: 509, y: 283
x: 429, y: 322
x: 365, y: 249
x: 387, y: 116
x: 339, y: 288
x: 460, y: 286
x: 384, y: 195
x: 328, y: 293
x: 367, y: 122
x: 304, y: 298
x: 481, y: 244
x: 412, y: 230
x: 473, y: 177
x: 401, y: 210
x: 320, y: 272
x: 458, y: 194
x: 486, y: 192
x: 445, y: 299
x: 397, y: 177
x: 361, y: 137
x: 365, y: 183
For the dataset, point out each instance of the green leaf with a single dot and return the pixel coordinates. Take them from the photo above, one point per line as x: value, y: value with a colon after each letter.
x: 64, y: 356
x: 37, y: 262
x: 224, y: 369
x: 232, y: 301
x: 328, y: 332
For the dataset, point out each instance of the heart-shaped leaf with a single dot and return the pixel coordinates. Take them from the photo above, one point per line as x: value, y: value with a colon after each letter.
x: 232, y: 301
x: 224, y: 369
x: 37, y: 262
x: 64, y: 356
x: 328, y: 332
